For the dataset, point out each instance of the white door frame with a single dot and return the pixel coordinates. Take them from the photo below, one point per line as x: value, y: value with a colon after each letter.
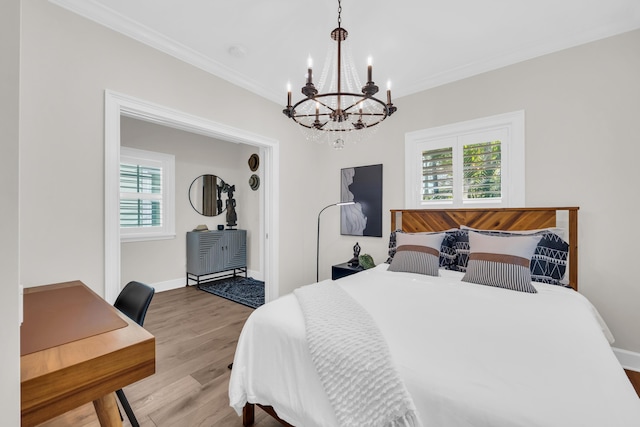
x: 117, y: 105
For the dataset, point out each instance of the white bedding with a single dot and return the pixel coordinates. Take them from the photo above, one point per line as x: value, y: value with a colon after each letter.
x: 470, y: 355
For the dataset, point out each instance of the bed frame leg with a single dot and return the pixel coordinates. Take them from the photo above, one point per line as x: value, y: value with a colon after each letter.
x: 248, y: 414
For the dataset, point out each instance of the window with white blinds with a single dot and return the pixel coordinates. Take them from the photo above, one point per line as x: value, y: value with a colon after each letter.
x: 476, y: 163
x: 146, y: 195
x: 437, y: 174
x: 481, y: 170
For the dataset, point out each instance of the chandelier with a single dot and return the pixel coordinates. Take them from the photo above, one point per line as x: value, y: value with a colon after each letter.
x: 342, y: 108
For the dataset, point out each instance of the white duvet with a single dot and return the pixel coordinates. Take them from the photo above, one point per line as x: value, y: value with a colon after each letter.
x: 470, y: 355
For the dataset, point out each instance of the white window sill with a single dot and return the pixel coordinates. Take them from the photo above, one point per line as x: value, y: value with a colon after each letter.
x: 145, y: 237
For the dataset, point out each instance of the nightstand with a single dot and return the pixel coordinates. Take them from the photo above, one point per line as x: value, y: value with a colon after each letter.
x: 342, y: 270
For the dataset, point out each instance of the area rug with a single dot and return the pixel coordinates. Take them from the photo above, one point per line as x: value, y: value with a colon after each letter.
x: 243, y: 290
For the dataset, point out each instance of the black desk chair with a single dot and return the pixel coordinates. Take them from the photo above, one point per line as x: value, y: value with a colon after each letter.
x: 133, y: 301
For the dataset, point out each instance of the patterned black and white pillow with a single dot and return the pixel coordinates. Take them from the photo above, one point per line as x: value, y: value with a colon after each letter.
x: 447, y: 249
x: 501, y: 261
x: 549, y: 261
x: 417, y: 253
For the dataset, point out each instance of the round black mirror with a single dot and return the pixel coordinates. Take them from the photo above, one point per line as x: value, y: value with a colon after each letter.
x: 205, y: 195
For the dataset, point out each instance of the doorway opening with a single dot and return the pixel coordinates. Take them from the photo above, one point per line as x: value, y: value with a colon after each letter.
x: 118, y: 105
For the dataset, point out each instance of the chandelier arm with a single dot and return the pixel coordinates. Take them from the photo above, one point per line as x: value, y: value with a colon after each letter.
x: 312, y: 115
x: 302, y: 101
x: 311, y: 126
x: 325, y: 105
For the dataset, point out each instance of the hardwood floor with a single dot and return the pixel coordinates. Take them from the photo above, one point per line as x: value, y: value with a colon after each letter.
x: 196, y: 335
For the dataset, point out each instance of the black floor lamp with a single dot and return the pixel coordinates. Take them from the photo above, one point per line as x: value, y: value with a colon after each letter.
x: 318, y: 238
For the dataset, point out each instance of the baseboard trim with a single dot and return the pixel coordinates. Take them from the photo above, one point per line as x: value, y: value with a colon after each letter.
x: 628, y: 359
x: 169, y: 284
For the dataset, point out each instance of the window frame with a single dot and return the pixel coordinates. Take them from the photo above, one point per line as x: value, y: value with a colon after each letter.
x: 458, y: 134
x: 166, y: 162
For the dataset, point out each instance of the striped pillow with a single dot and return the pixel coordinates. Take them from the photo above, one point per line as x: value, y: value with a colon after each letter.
x: 447, y: 249
x: 417, y: 253
x: 500, y: 261
x: 549, y: 261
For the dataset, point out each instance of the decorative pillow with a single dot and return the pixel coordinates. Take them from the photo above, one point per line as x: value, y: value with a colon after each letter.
x: 447, y: 249
x: 417, y: 253
x: 501, y: 261
x: 549, y: 261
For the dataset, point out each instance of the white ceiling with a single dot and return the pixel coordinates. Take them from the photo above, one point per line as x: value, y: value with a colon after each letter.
x: 416, y: 44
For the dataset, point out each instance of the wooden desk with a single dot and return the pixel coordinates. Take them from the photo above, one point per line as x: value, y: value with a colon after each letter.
x: 91, y: 368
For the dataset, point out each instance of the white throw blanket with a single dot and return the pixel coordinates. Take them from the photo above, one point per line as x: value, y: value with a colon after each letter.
x: 353, y: 361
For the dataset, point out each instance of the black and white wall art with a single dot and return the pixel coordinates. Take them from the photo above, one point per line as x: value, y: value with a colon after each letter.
x: 362, y: 185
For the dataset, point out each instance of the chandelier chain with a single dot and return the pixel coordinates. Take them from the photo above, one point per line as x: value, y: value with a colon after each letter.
x: 339, y: 14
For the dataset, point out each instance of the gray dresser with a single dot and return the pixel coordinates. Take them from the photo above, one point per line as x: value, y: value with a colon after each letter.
x: 213, y: 252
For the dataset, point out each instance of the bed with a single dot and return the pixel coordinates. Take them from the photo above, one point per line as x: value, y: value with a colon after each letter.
x: 466, y: 353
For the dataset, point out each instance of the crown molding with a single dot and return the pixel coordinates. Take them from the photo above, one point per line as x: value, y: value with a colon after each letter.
x: 122, y: 24
x: 115, y: 21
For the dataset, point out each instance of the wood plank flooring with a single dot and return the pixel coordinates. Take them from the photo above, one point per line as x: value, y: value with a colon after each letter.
x: 196, y: 336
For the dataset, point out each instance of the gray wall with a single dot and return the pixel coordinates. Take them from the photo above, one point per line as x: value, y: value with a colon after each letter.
x: 9, y: 203
x: 195, y: 155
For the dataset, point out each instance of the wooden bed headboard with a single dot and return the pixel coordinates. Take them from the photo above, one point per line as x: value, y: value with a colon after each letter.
x: 511, y: 219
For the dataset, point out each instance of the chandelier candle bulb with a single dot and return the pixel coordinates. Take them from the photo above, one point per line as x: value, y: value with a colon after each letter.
x: 389, y: 92
x: 288, y: 95
x: 309, y: 70
x: 369, y: 70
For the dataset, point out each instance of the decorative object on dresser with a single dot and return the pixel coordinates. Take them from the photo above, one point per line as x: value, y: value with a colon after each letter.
x: 339, y: 271
x: 318, y: 236
x: 232, y: 216
x: 212, y: 252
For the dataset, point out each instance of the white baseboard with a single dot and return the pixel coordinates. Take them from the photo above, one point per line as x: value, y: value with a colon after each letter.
x: 181, y: 282
x: 169, y: 284
x: 255, y: 274
x: 628, y: 359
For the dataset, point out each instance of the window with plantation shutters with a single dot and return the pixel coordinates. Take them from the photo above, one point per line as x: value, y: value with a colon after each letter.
x: 437, y: 174
x: 141, y: 196
x: 146, y: 195
x: 481, y: 170
x: 477, y: 163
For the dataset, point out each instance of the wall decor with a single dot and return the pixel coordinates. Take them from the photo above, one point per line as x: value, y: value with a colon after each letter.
x: 363, y: 186
x: 205, y: 195
x: 254, y: 182
x: 254, y: 162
